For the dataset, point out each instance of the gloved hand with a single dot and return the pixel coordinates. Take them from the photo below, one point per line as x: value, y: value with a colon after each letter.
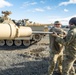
x: 54, y: 34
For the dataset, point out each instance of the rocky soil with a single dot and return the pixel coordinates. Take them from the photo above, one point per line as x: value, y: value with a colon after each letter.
x: 25, y: 61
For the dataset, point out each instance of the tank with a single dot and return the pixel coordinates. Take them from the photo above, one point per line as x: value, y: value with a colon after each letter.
x: 11, y: 34
x: 39, y: 30
x: 20, y: 32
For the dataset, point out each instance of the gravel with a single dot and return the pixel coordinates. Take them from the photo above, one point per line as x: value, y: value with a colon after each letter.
x: 25, y: 61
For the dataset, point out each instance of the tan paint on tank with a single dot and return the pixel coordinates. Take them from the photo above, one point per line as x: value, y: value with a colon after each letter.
x: 11, y: 31
x: 24, y: 31
x: 7, y: 31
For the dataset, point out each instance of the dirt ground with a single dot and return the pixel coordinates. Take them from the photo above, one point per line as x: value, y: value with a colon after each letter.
x: 25, y: 61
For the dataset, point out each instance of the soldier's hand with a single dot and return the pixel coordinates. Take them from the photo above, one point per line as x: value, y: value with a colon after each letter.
x: 54, y: 34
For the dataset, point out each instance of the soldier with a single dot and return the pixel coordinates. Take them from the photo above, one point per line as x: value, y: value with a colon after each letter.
x: 56, y: 51
x: 70, y: 47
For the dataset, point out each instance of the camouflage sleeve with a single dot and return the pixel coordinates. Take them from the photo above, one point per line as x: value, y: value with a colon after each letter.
x: 50, y: 37
x: 67, y: 40
x: 64, y: 32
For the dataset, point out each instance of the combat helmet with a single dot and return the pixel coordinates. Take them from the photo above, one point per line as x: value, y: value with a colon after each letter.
x: 72, y: 21
x: 57, y: 22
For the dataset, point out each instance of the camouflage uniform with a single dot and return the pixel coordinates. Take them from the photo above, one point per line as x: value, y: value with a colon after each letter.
x: 56, y: 51
x: 70, y: 50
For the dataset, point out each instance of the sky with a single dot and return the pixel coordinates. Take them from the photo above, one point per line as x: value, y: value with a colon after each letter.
x: 40, y: 11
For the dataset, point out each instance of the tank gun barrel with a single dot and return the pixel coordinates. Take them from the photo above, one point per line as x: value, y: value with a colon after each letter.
x: 38, y: 24
x: 39, y: 32
x: 21, y: 32
x: 47, y: 24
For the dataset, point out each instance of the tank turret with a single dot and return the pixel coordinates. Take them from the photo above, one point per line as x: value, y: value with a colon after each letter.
x: 10, y: 33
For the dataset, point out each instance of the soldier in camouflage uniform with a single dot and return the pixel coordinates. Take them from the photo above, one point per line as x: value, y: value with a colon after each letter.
x: 70, y: 47
x: 56, y: 51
